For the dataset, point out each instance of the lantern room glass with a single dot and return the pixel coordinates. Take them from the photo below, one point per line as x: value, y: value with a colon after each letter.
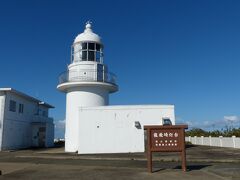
x: 87, y: 51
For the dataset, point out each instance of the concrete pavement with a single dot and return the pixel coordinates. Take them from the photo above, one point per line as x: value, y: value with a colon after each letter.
x: 203, y: 163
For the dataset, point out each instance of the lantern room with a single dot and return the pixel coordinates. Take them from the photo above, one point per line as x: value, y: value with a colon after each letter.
x: 87, y: 46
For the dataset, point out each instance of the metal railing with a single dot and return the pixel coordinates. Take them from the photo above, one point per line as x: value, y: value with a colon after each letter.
x: 41, y: 119
x: 87, y: 75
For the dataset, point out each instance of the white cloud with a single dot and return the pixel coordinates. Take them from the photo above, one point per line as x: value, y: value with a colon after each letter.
x: 207, y: 123
x: 59, y: 128
x: 231, y: 118
x: 214, y: 124
x: 190, y: 123
x: 60, y: 124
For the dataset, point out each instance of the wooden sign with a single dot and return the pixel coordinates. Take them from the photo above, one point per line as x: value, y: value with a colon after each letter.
x: 169, y: 138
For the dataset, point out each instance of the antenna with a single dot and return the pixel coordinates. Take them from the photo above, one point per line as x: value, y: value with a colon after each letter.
x: 89, y: 22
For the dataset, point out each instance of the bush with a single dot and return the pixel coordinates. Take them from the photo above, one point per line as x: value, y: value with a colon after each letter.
x: 197, y: 132
x: 228, y: 132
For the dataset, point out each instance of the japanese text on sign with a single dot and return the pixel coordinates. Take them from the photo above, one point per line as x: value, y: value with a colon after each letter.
x: 165, y: 139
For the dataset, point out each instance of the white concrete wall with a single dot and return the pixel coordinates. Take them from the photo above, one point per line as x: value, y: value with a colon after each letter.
x: 227, y: 142
x: 237, y: 142
x: 215, y: 141
x: 111, y: 129
x: 86, y: 70
x: 206, y: 141
x: 76, y: 70
x: 80, y: 97
x: 233, y: 142
x: 17, y: 128
x: 79, y: 66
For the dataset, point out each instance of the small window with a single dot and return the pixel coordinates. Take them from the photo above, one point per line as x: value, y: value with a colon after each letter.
x: 84, y: 45
x: 98, y: 56
x: 84, y: 55
x: 91, y: 55
x: 12, y: 106
x: 20, y: 108
x: 98, y: 47
x: 44, y: 113
x: 91, y: 46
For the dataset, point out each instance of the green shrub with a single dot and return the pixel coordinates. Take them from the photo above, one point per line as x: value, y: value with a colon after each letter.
x: 227, y: 132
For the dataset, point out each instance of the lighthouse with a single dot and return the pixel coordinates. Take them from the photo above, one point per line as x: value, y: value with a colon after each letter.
x: 87, y: 82
x: 92, y: 125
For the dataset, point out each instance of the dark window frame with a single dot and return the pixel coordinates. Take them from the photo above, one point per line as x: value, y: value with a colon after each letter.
x: 20, y: 108
x: 12, y: 106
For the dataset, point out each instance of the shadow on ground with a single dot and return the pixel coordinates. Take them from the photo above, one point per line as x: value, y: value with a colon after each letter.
x: 191, y: 166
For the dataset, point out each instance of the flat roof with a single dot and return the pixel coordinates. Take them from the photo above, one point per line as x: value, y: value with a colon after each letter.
x: 144, y: 106
x: 27, y: 96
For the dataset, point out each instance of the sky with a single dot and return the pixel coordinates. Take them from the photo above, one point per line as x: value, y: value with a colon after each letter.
x: 185, y: 53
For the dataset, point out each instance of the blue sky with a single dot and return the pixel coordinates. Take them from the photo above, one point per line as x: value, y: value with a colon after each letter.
x: 185, y: 53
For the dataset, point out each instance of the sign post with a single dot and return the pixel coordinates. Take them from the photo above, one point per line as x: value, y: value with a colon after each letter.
x: 169, y: 138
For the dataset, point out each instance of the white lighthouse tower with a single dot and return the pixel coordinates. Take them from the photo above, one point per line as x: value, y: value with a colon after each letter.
x: 87, y: 82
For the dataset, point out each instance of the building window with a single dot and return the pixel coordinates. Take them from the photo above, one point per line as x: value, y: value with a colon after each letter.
x: 44, y: 113
x: 12, y: 106
x: 20, y: 108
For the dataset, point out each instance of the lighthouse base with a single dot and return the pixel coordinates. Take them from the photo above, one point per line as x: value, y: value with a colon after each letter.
x: 76, y: 98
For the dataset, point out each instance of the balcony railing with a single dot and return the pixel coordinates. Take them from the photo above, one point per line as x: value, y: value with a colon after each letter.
x: 41, y: 119
x: 87, y: 76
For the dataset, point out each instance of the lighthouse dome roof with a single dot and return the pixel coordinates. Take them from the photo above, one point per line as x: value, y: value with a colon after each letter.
x: 88, y: 35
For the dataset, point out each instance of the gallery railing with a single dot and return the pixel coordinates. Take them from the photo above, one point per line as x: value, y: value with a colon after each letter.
x: 87, y: 75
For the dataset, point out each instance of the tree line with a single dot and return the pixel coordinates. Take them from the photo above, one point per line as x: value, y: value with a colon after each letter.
x: 227, y: 132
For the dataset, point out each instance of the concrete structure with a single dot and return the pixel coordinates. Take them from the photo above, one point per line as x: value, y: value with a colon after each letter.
x: 233, y: 142
x: 87, y: 84
x: 24, y: 121
x: 114, y: 129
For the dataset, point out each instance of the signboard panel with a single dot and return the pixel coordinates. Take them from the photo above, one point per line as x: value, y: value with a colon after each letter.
x: 163, y: 140
x: 166, y: 139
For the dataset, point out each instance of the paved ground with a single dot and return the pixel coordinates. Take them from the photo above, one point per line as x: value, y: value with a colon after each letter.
x: 203, y: 163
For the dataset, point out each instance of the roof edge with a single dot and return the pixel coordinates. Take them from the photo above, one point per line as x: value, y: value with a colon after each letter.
x: 27, y: 96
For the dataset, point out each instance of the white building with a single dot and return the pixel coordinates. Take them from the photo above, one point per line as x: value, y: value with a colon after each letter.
x: 24, y: 121
x: 91, y: 125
